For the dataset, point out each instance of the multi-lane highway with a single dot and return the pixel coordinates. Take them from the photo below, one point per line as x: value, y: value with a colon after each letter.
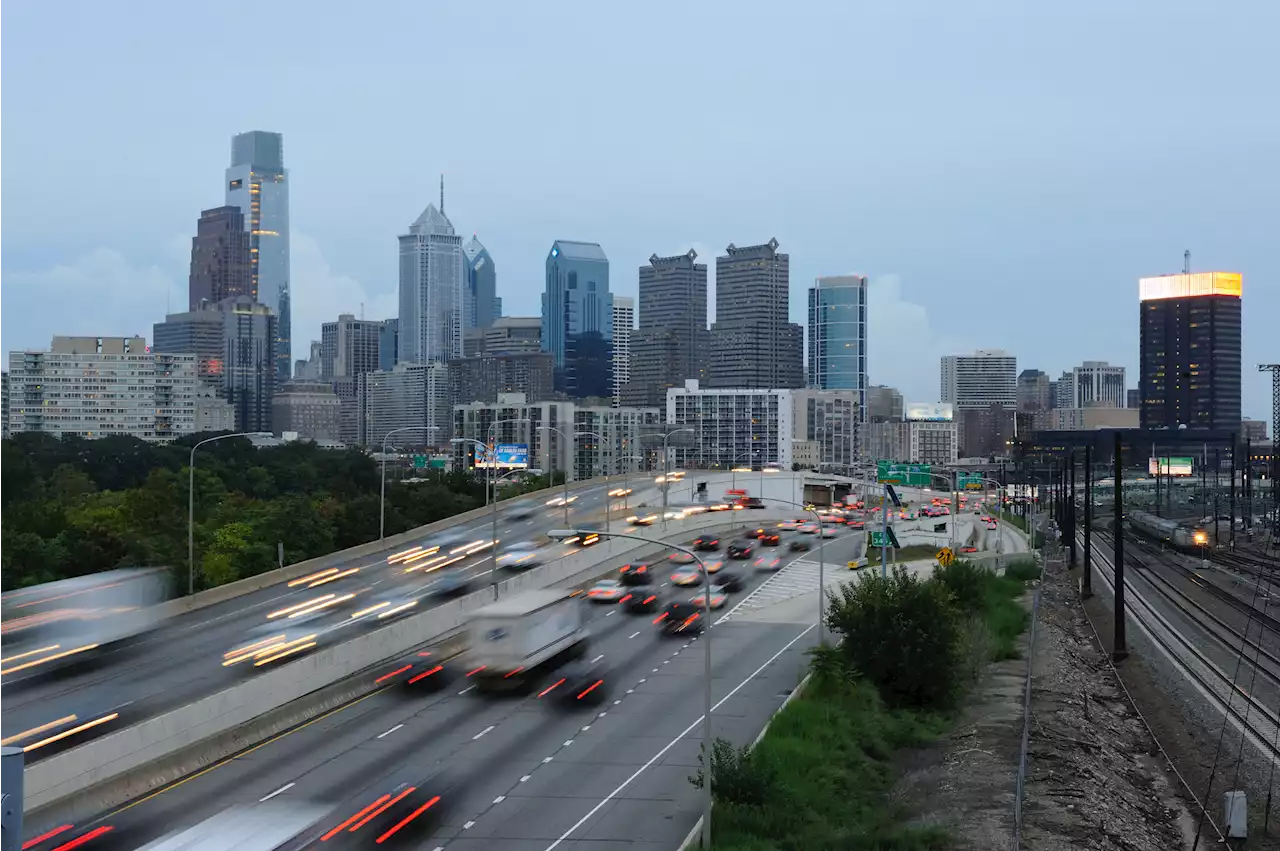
x: 182, y: 660
x: 522, y: 773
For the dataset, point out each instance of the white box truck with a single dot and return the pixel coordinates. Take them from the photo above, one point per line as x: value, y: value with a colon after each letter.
x: 514, y: 640
x: 260, y: 827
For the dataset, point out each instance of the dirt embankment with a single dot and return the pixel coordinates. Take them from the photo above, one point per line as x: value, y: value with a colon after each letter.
x: 1095, y: 778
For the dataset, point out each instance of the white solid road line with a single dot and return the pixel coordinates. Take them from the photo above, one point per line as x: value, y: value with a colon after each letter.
x: 285, y: 788
x: 660, y: 754
x: 488, y: 729
x: 597, y: 659
x: 389, y: 732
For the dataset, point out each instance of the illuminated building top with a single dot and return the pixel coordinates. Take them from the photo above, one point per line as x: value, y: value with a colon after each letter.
x: 1190, y: 285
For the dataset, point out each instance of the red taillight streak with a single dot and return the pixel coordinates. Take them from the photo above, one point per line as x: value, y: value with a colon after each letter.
x: 625, y: 599
x: 426, y: 674
x: 425, y: 653
x: 550, y: 687
x: 382, y: 809
x: 413, y: 815
x: 651, y: 598
x: 660, y: 617
x: 355, y: 817
x: 590, y: 689
x: 42, y: 837
x: 513, y: 673
x: 80, y: 840
x: 394, y: 673
x: 477, y: 670
x: 688, y: 621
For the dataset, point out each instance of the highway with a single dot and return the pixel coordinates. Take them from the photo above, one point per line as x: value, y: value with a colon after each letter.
x: 520, y: 773
x: 182, y: 660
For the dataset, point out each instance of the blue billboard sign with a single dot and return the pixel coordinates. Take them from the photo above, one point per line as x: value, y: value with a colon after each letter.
x: 509, y: 456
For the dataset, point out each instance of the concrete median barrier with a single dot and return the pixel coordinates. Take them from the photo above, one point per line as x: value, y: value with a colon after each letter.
x: 206, y: 730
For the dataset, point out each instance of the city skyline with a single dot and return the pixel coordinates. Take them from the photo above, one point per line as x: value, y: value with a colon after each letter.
x: 995, y: 251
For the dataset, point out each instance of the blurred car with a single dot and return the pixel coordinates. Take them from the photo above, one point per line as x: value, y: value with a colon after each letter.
x: 829, y: 532
x: 719, y: 506
x: 808, y: 529
x: 713, y: 565
x: 642, y: 520
x: 770, y: 539
x: 992, y: 526
x: 618, y: 493
x: 377, y: 609
x: 799, y: 545
x: 520, y: 557
x: 635, y: 574
x: 856, y: 524
x: 680, y: 618
x: 560, y: 501
x: 588, y: 540
x: 767, y: 563
x: 741, y: 550
x: 689, y: 575
x: 409, y: 812
x: 706, y: 544
x: 578, y: 684
x: 968, y: 549
x: 643, y: 600
x: 85, y: 714
x: 607, y: 591
x: 283, y: 639
x: 450, y: 583
x: 681, y: 558
x: 789, y: 525
x: 718, y: 598
x: 730, y: 582
x: 520, y: 511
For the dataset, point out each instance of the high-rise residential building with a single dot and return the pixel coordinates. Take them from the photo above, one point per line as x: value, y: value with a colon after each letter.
x: 760, y: 427
x: 1097, y: 384
x: 1034, y: 388
x: 884, y: 404
x: 197, y: 332
x: 928, y: 434
x: 249, y: 375
x: 672, y: 343
x: 4, y: 405
x: 752, y: 343
x: 99, y: 386
x: 213, y: 413
x: 986, y: 377
x: 413, y: 396
x: 482, y: 283
x: 309, y: 409
x: 1189, y: 372
x: 1089, y: 418
x: 1133, y: 398
x: 350, y: 347
x: 1254, y: 431
x: 432, y: 290
x: 485, y: 377
x: 1064, y: 391
x: 257, y: 184
x: 838, y: 335
x: 388, y: 344
x: 624, y: 321
x: 221, y: 257
x: 577, y: 318
x: 309, y: 369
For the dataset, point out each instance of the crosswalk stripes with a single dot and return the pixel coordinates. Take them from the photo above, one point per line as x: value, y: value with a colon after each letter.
x: 799, y: 577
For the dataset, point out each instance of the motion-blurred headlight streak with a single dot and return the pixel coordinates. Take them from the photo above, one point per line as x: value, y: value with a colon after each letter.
x: 323, y: 604
x: 35, y: 731
x: 80, y: 728
x: 289, y: 610
x: 398, y: 609
x: 45, y: 659
x: 292, y: 647
x: 334, y: 576
x: 305, y: 579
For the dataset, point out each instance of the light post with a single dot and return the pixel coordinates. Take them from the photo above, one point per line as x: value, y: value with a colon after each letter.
x: 382, y: 499
x: 626, y: 477
x: 493, y: 529
x: 666, y: 468
x: 955, y: 509
x: 607, y: 504
x: 733, y: 470
x: 191, y: 502
x: 706, y: 634
x: 569, y: 454
x: 999, y: 520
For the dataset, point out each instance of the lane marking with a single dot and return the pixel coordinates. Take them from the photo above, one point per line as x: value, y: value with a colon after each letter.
x: 567, y: 743
x: 634, y: 634
x: 525, y: 779
x: 389, y: 732
x: 467, y: 689
x: 597, y: 659
x: 488, y: 729
x: 285, y: 788
x: 548, y: 759
x: 499, y: 799
x: 468, y: 825
x: 660, y: 754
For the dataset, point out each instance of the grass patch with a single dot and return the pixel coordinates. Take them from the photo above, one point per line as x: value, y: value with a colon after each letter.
x: 821, y: 778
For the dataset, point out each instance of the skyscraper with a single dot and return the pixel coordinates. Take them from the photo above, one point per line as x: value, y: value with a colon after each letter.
x: 220, y: 257
x: 672, y: 343
x: 350, y: 347
x: 1189, y: 366
x: 249, y: 374
x: 432, y: 290
x: 838, y: 335
x: 752, y: 343
x: 983, y: 389
x: 624, y: 320
x: 1034, y: 391
x: 257, y: 184
x: 482, y: 283
x: 577, y: 318
x: 1097, y: 384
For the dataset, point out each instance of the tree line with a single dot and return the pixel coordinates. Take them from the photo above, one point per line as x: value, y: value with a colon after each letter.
x: 71, y: 507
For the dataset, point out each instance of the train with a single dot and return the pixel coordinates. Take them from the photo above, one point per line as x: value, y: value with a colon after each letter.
x: 1181, y: 536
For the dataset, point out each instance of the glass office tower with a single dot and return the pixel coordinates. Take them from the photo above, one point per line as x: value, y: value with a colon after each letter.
x: 577, y: 319
x: 838, y: 335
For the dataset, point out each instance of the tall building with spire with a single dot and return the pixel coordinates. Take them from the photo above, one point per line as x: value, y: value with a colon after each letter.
x: 483, y: 305
x: 432, y: 289
x: 257, y: 184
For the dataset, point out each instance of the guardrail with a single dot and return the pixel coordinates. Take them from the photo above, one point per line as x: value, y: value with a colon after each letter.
x: 103, y: 760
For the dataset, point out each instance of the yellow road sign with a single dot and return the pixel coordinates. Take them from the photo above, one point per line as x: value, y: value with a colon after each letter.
x: 945, y: 556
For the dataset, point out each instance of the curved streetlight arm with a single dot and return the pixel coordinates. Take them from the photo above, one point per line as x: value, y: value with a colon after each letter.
x: 561, y: 534
x: 191, y: 501
x: 382, y: 497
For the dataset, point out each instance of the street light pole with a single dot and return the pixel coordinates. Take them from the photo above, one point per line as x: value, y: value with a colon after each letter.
x: 666, y: 468
x: 822, y: 559
x: 999, y: 519
x: 569, y: 454
x: 382, y: 498
x: 191, y: 502
x: 493, y: 531
x: 706, y: 634
x: 607, y: 505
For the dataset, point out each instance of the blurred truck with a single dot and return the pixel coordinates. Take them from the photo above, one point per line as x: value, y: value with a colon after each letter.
x: 262, y: 827
x: 47, y: 626
x: 516, y: 640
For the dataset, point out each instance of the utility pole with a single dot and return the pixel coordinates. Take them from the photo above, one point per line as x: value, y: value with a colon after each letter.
x: 1274, y: 369
x: 1233, y: 491
x: 1086, y: 583
x: 1071, y: 507
x: 1119, y: 650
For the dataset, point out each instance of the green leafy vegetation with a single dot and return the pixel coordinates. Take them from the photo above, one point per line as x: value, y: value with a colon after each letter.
x: 72, y: 507
x: 821, y: 778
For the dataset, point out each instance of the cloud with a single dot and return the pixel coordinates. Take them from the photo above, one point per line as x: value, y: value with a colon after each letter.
x: 319, y: 294
x: 903, y: 349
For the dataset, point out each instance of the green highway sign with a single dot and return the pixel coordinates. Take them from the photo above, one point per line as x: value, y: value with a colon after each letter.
x: 878, y: 539
x: 969, y: 481
x: 419, y: 462
x: 908, y: 475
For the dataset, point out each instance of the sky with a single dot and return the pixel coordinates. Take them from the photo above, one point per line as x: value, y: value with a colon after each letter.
x: 1003, y: 172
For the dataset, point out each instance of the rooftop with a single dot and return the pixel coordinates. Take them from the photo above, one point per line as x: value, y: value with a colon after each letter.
x: 571, y: 250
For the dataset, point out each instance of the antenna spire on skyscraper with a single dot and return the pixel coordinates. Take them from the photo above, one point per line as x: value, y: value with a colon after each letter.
x: 442, y: 193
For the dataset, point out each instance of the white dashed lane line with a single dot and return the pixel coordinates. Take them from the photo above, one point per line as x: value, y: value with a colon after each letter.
x: 389, y: 732
x: 488, y: 729
x: 285, y: 788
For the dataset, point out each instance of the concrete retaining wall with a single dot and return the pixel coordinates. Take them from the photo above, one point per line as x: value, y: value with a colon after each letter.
x: 97, y: 762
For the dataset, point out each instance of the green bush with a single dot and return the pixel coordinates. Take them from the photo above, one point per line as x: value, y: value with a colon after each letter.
x: 902, y: 634
x: 1024, y: 570
x: 738, y: 775
x: 967, y: 583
